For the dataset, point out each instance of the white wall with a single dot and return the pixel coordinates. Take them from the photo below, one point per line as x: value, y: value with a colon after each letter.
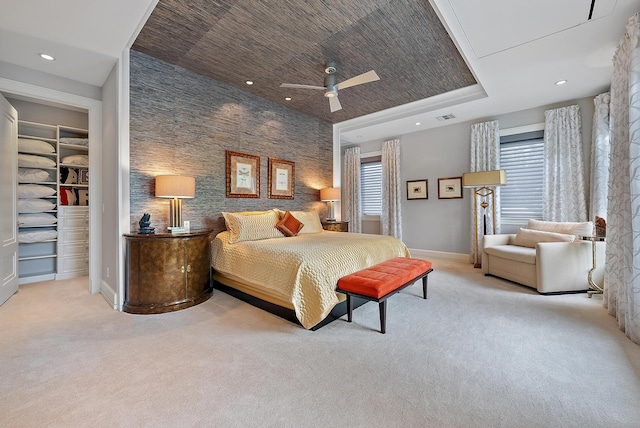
x: 110, y: 170
x: 444, y: 224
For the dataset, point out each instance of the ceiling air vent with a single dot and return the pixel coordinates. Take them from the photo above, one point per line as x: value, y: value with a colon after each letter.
x: 446, y: 117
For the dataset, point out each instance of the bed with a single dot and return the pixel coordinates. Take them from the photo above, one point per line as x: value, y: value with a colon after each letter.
x: 300, y: 272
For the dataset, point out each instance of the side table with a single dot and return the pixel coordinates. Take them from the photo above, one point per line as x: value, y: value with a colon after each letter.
x: 595, y: 288
x: 336, y: 226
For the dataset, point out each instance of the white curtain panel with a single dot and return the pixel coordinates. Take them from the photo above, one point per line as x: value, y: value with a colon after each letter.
x: 391, y: 216
x: 564, y: 187
x: 622, y: 270
x: 351, y: 190
x: 600, y: 150
x: 485, y: 156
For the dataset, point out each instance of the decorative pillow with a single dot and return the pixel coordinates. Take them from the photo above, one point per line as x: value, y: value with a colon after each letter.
x: 310, y: 220
x: 68, y: 196
x: 37, y: 236
x: 289, y: 225
x: 34, y: 146
x: 83, y: 197
x: 252, y: 227
x: 35, y: 191
x: 28, y: 175
x: 529, y: 238
x: 34, y: 206
x: 226, y: 218
x: 567, y: 227
x: 35, y: 161
x: 68, y: 175
x: 38, y: 219
x: 82, y: 160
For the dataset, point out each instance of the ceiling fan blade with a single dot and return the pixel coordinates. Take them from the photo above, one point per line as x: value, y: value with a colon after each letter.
x: 295, y: 85
x: 369, y: 76
x: 334, y: 104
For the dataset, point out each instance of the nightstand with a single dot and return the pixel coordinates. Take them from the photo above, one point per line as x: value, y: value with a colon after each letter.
x: 166, y: 272
x: 336, y: 226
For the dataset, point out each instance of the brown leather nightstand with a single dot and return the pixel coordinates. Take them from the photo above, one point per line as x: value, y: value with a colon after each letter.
x: 336, y: 226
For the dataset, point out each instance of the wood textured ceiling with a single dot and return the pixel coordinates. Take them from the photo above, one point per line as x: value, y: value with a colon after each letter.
x: 288, y: 41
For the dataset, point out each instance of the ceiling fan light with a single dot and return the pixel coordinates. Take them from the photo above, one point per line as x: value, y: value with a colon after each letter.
x: 331, y: 92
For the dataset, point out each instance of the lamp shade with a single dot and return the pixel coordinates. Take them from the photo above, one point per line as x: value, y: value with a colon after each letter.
x: 330, y: 194
x: 496, y: 177
x: 175, y: 186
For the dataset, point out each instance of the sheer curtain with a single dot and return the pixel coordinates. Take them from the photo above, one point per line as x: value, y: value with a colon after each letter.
x: 622, y: 275
x: 391, y: 216
x: 600, y: 149
x: 351, y: 189
x: 564, y: 187
x: 485, y: 156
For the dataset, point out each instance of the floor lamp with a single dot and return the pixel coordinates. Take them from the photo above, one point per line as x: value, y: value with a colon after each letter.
x: 483, y: 181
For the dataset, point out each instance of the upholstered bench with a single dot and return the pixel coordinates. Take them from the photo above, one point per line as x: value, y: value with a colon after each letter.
x: 380, y: 281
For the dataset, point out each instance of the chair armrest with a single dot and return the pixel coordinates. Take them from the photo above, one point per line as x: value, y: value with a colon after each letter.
x: 493, y: 240
x: 564, y: 266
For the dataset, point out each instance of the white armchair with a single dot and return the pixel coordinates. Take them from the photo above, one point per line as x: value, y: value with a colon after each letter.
x: 549, y: 267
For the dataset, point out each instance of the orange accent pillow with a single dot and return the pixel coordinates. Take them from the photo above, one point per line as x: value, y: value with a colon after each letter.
x: 289, y: 225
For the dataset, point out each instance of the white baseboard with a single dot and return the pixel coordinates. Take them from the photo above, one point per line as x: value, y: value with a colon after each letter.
x: 109, y: 294
x: 430, y: 254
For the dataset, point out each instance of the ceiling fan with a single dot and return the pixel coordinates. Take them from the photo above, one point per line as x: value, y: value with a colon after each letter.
x: 331, y: 87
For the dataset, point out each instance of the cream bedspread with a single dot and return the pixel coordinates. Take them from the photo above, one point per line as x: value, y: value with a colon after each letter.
x: 305, y: 267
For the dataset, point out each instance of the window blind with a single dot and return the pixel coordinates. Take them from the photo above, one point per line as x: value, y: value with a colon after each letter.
x: 522, y: 157
x: 371, y: 187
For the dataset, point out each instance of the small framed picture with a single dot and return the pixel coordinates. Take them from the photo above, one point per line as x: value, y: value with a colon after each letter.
x: 417, y: 189
x: 83, y: 176
x: 450, y: 188
x: 243, y: 175
x: 282, y: 179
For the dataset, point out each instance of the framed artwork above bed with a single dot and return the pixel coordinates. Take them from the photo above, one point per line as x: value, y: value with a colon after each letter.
x: 243, y: 175
x: 282, y: 178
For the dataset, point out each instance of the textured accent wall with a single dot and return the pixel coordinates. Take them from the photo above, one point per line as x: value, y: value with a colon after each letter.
x: 181, y: 124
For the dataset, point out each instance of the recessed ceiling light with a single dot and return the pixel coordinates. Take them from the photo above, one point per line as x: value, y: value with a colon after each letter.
x: 249, y: 82
x: 46, y: 56
x: 561, y: 82
x: 287, y: 98
x: 417, y: 123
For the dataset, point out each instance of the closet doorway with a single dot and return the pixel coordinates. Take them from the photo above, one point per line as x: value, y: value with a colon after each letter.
x: 71, y: 125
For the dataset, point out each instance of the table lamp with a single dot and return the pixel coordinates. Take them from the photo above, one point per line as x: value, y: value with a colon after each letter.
x: 176, y: 187
x: 329, y: 196
x: 483, y: 181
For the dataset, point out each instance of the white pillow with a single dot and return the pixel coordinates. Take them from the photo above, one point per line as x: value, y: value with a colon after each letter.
x: 34, y: 146
x: 34, y: 205
x: 252, y: 227
x: 529, y: 238
x: 75, y: 141
x: 568, y: 227
x: 310, y: 220
x: 38, y: 219
x: 35, y: 161
x: 35, y: 191
x: 82, y: 160
x: 28, y: 175
x: 37, y: 236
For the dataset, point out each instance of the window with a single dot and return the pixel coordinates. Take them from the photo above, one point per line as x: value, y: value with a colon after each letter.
x: 371, y: 185
x: 521, y: 155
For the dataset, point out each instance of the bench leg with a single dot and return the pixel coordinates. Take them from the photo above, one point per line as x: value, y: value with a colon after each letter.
x: 424, y: 286
x: 383, y: 316
x: 349, y: 307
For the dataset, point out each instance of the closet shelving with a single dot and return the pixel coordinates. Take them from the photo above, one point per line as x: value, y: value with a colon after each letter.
x: 66, y: 255
x: 37, y: 260
x: 73, y: 218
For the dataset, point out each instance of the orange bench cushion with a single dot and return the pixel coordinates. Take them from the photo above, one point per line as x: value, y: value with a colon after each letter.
x: 383, y: 278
